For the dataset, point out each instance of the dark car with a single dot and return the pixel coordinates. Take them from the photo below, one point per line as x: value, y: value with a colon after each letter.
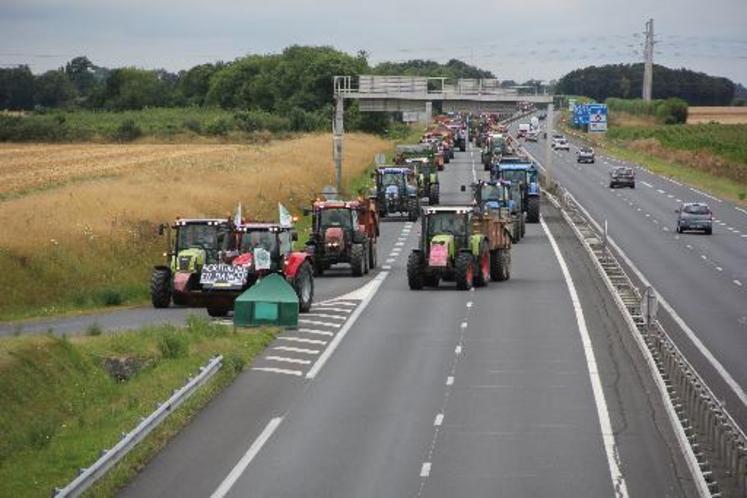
x: 695, y: 216
x: 585, y: 155
x: 622, y: 177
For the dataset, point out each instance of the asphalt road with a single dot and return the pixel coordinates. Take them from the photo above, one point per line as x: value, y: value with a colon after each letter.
x: 703, y: 278
x: 439, y: 393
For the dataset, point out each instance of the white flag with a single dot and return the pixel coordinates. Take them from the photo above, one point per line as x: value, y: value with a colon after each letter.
x: 237, y: 215
x: 286, y: 220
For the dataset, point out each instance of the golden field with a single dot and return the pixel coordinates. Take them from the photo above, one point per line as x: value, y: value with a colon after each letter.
x: 723, y: 115
x: 80, y: 220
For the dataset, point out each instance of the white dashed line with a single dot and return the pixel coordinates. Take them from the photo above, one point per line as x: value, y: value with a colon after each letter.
x: 665, y: 229
x: 386, y: 267
x: 670, y: 196
x: 718, y: 268
x: 469, y: 304
x: 647, y: 184
x: 296, y: 373
x: 737, y: 282
x: 425, y: 471
x: 449, y: 380
x: 463, y: 325
x: 391, y: 260
x: 660, y: 191
x: 303, y: 340
x: 703, y: 257
x: 291, y: 349
x: 678, y: 200
x: 689, y: 246
x: 288, y: 360
x: 316, y: 322
x: 458, y: 349
x: 399, y: 244
x: 439, y: 420
x: 316, y: 332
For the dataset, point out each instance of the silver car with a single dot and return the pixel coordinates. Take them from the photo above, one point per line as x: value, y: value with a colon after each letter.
x: 694, y: 216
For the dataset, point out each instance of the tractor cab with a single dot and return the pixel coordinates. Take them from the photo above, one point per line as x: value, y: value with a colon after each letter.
x: 492, y: 195
x: 264, y: 247
x: 397, y: 192
x: 199, y: 242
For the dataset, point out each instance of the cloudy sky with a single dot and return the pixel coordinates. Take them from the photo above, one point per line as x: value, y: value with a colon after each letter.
x: 516, y: 40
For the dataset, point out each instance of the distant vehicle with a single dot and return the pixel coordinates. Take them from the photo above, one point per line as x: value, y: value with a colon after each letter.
x: 585, y: 155
x: 622, y: 177
x: 542, y: 116
x: 534, y: 123
x: 694, y: 216
x: 524, y: 128
x: 560, y: 144
x: 555, y: 135
x: 532, y: 136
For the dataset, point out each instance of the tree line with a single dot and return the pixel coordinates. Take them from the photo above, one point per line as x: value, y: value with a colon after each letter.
x: 625, y: 81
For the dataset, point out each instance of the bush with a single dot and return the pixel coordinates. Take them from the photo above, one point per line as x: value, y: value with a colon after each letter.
x: 127, y: 131
x: 670, y: 111
x: 251, y: 121
x: 172, y: 344
x: 218, y: 127
x: 193, y: 125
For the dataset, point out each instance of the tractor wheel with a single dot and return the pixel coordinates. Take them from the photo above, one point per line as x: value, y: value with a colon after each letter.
x: 318, y: 267
x: 217, y: 311
x: 366, y: 258
x: 372, y: 254
x: 523, y: 225
x: 465, y: 270
x: 533, y: 210
x: 160, y: 287
x: 500, y: 265
x: 356, y: 260
x: 415, y: 271
x: 516, y: 231
x: 431, y: 280
x: 482, y: 271
x: 179, y: 300
x: 412, y: 210
x: 435, y: 196
x: 303, y: 284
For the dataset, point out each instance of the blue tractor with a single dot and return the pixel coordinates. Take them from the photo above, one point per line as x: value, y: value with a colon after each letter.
x: 397, y: 192
x: 496, y: 195
x: 521, y: 170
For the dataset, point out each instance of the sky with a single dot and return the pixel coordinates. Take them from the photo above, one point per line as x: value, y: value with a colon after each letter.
x: 539, y: 39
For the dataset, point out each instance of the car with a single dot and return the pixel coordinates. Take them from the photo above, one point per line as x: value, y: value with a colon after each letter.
x: 541, y: 116
x: 694, y: 216
x: 560, y: 144
x: 585, y: 155
x: 532, y: 136
x: 622, y: 177
x: 523, y: 129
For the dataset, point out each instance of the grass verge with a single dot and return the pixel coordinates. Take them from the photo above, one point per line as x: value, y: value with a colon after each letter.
x: 64, y: 400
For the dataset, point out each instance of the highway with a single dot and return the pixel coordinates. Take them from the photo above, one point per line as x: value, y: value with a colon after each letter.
x: 530, y: 387
x: 702, y: 278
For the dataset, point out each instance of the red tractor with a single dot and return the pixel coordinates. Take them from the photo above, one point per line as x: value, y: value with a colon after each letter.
x: 343, y: 232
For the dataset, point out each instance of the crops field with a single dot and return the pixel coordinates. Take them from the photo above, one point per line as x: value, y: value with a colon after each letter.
x: 79, y: 221
x: 723, y: 115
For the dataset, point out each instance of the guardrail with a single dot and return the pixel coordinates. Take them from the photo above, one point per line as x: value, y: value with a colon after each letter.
x: 714, y: 444
x: 109, y: 457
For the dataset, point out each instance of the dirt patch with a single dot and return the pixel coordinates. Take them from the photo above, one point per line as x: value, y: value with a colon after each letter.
x: 723, y: 115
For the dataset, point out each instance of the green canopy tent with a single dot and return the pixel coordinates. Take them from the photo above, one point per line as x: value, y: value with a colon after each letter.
x: 271, y: 301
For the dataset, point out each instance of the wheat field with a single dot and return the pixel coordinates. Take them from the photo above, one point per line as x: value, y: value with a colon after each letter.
x: 723, y: 115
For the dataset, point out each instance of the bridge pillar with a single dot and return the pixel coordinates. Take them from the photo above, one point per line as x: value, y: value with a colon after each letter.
x: 428, y: 112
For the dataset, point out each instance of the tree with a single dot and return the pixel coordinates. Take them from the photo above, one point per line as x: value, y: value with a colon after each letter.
x: 53, y: 89
x: 194, y: 83
x: 16, y: 88
x: 80, y: 72
x: 132, y: 88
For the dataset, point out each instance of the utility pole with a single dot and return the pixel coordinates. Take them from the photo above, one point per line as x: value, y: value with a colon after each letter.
x: 648, y: 61
x: 337, y: 134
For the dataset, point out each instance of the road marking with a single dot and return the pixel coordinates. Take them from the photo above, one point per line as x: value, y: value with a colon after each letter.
x: 326, y: 308
x: 743, y: 236
x: 245, y: 460
x: 469, y: 304
x: 402, y: 239
x: 670, y: 196
x: 689, y: 246
x: 336, y: 302
x: 458, y: 349
x: 368, y: 291
x: 399, y: 244
x: 316, y: 322
x: 303, y: 340
x: 291, y: 349
x: 608, y: 436
x: 665, y: 229
x: 647, y: 184
x: 741, y: 210
x: 284, y: 371
x: 325, y: 315
x: 718, y: 268
x: 449, y: 380
x: 737, y: 282
x: 705, y: 195
x: 386, y: 267
x: 647, y: 215
x: 391, y: 260
x: 660, y: 191
x: 316, y: 332
x: 439, y: 420
x: 656, y: 221
x: 463, y: 325
x: 425, y: 470
x: 288, y: 360
x: 703, y: 257
x: 678, y: 200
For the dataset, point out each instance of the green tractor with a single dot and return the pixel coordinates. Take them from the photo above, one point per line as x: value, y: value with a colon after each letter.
x: 460, y: 244
x: 422, y: 159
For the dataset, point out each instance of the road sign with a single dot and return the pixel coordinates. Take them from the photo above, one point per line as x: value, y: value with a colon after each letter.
x: 597, y: 117
x: 581, y: 114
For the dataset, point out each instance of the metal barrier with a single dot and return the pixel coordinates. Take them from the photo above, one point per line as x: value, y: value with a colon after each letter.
x: 109, y: 457
x: 716, y: 447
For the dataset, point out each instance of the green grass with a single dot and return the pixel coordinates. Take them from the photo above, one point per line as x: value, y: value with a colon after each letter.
x: 61, y: 407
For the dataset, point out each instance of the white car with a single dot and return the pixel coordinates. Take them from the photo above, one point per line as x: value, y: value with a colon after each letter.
x: 560, y: 144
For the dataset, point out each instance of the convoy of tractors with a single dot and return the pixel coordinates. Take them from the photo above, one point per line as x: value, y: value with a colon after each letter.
x: 210, y: 262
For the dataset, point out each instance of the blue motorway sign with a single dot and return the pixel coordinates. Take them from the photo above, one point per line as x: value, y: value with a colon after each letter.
x: 597, y: 117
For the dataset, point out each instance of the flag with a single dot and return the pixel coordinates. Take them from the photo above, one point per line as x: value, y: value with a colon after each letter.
x: 286, y: 220
x: 237, y: 215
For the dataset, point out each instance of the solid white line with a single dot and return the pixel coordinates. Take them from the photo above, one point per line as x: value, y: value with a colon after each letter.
x: 303, y: 340
x: 325, y: 315
x: 608, y: 436
x: 449, y: 380
x: 439, y: 420
x: 316, y: 332
x: 375, y: 285
x: 288, y: 360
x: 245, y: 460
x: 425, y: 471
x: 296, y: 373
x: 740, y: 209
x: 291, y: 349
x: 316, y: 322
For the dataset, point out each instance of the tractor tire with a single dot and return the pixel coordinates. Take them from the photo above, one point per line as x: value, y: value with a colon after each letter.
x: 500, y: 265
x: 373, y: 257
x: 415, y: 277
x: 431, y: 280
x: 160, y: 287
x: 515, y: 231
x: 356, y: 260
x: 465, y: 270
x: 523, y: 225
x: 533, y: 210
x: 482, y: 266
x: 366, y: 258
x: 412, y: 210
x: 318, y: 267
x: 179, y: 300
x: 435, y: 194
x: 217, y: 311
x: 303, y: 284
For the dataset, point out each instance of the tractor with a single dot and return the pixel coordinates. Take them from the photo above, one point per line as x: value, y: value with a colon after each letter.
x: 494, y: 149
x: 258, y: 249
x: 522, y: 170
x: 210, y: 264
x: 462, y: 244
x: 491, y: 195
x: 421, y: 158
x: 396, y: 192
x: 344, y: 232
